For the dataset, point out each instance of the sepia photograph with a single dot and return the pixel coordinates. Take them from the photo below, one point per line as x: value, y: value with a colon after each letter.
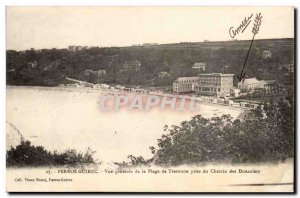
x: 150, y: 99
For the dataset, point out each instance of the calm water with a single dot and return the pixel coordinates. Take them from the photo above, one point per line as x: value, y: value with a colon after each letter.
x: 59, y: 119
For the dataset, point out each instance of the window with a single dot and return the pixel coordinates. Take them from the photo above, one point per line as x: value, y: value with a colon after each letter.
x: 205, y: 88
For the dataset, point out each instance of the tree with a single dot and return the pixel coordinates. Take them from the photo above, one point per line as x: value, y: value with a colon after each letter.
x: 266, y: 134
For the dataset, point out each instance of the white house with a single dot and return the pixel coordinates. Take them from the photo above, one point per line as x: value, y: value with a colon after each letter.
x: 250, y: 84
x: 199, y: 66
x: 266, y: 54
x: 164, y: 74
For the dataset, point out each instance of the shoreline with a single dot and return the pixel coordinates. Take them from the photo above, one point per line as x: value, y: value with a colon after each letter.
x: 100, y: 91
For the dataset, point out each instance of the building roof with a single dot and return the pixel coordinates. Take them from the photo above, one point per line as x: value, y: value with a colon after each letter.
x: 199, y: 64
x: 216, y: 74
x: 132, y: 62
x: 269, y: 81
x: 250, y: 81
x: 186, y: 78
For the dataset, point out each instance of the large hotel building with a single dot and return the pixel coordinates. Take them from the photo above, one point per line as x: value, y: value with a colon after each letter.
x: 212, y: 84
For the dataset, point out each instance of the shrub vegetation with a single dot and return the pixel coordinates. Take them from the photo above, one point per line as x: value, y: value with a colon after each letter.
x: 26, y: 154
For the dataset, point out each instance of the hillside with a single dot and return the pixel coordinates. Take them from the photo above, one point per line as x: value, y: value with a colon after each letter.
x: 49, y: 67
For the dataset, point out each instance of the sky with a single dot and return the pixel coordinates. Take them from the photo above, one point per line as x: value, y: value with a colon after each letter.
x: 59, y: 27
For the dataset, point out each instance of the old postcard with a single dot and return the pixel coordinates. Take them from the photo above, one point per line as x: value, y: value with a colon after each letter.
x: 150, y: 99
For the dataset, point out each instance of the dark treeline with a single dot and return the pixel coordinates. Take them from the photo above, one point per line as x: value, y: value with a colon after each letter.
x: 265, y: 135
x: 27, y: 155
x: 53, y: 65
